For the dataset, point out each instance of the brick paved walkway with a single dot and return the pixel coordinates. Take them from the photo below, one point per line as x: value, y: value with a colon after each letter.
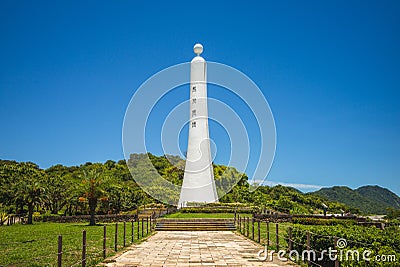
x: 194, y: 248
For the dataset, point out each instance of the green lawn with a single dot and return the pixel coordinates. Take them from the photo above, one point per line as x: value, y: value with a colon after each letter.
x: 36, y: 245
x: 203, y: 215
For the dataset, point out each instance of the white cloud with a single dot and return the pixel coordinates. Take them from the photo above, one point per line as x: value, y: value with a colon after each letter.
x: 305, y: 187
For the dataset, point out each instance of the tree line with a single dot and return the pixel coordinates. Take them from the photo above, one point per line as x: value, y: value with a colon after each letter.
x: 111, y: 188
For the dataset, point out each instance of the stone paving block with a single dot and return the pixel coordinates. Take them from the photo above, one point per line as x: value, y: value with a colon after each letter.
x: 194, y: 249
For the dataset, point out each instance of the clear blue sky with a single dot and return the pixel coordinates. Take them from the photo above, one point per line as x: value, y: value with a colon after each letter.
x: 329, y: 70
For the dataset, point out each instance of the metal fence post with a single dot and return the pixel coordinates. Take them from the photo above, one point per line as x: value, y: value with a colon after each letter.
x: 245, y: 226
x: 142, y: 226
x: 267, y: 233
x: 290, y: 242
x: 138, y: 228
x: 132, y: 230
x: 104, y: 241
x: 84, y: 248
x: 116, y: 237
x: 252, y: 228
x: 59, y: 258
x: 124, y: 233
x: 277, y: 235
x: 258, y: 232
x: 308, y: 246
x: 248, y: 226
x: 335, y: 247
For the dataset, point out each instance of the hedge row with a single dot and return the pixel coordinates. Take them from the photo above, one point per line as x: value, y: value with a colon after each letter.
x: 317, y: 221
x: 206, y: 209
x: 85, y: 218
x: 357, y: 238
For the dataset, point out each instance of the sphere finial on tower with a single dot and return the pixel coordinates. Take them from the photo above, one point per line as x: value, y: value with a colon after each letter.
x: 198, y: 49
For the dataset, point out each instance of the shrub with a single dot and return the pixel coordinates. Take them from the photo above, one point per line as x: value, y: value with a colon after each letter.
x: 206, y: 209
x: 317, y: 221
x: 359, y: 238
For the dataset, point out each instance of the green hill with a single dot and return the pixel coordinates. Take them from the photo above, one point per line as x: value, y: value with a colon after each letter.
x: 381, y: 195
x: 368, y: 199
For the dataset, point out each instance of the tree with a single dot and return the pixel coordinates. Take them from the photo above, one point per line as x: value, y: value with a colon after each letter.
x: 7, y: 179
x: 29, y: 186
x: 121, y: 197
x: 58, y: 187
x: 92, y: 185
x: 393, y: 213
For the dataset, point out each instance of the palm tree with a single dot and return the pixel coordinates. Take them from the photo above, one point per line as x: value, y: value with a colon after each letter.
x: 93, y: 178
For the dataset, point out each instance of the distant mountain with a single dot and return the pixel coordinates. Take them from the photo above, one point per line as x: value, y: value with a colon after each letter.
x: 380, y: 194
x: 368, y: 199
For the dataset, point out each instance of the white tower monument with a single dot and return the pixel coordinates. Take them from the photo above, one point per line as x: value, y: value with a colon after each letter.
x: 198, y: 181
